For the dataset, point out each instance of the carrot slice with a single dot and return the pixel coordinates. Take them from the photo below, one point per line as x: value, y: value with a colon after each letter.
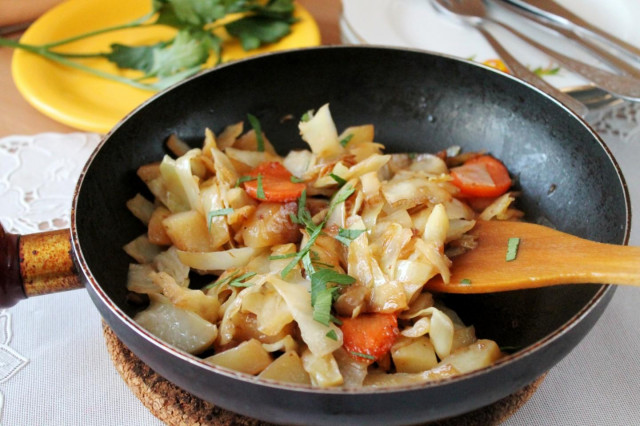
x: 482, y: 176
x: 276, y: 183
x: 368, y: 337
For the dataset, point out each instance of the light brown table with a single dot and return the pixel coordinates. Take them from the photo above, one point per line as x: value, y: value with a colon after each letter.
x: 19, y: 117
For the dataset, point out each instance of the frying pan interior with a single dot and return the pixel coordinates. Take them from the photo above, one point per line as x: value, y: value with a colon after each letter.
x: 418, y: 103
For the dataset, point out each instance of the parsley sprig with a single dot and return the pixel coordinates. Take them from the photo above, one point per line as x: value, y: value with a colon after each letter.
x: 169, y: 61
x: 234, y: 279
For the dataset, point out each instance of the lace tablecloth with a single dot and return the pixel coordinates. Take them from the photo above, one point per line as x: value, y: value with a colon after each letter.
x: 54, y: 366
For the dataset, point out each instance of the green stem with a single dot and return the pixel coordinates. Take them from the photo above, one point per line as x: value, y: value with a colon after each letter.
x: 82, y: 55
x: 136, y: 23
x: 45, y: 53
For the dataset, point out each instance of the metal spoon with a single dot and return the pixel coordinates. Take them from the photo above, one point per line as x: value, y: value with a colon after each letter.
x: 622, y: 86
x: 544, y: 257
x: 472, y: 13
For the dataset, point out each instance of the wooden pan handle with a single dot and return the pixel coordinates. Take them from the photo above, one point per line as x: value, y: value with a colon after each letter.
x: 35, y: 264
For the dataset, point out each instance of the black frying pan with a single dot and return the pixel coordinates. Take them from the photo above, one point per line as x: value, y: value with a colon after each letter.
x: 418, y: 102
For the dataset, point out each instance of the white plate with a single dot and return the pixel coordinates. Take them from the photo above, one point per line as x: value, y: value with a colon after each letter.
x: 416, y: 24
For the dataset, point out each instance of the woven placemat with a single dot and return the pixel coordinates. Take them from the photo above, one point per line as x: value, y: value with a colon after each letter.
x: 176, y: 407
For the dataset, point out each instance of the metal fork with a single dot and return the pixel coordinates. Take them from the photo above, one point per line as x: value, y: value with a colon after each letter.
x: 626, y: 87
x: 473, y: 13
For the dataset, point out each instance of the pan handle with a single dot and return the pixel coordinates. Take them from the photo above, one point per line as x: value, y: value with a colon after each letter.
x: 35, y: 264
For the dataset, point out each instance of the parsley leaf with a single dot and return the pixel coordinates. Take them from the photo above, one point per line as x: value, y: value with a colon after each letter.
x: 282, y: 256
x: 338, y: 179
x: 331, y: 334
x: 196, y: 13
x: 255, y: 31
x: 260, y: 189
x: 344, y: 141
x: 322, y: 277
x: 512, y: 249
x: 257, y: 128
x: 219, y: 212
x: 220, y: 281
x: 243, y: 179
x: 241, y: 281
x: 361, y: 355
x: 345, y: 236
x: 134, y: 57
x: 322, y: 306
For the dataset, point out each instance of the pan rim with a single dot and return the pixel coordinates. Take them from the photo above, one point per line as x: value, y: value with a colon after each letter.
x: 97, y: 289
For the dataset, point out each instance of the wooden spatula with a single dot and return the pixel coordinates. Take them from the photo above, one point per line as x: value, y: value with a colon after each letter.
x: 544, y: 257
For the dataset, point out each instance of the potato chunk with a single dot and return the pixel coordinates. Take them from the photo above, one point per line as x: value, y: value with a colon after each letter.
x: 188, y: 231
x: 248, y: 357
x: 270, y: 225
x: 178, y: 327
x: 478, y: 355
x: 287, y: 368
x: 413, y: 355
x: 157, y: 233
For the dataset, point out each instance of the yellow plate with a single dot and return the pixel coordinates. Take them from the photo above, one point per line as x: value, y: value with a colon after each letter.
x: 91, y: 103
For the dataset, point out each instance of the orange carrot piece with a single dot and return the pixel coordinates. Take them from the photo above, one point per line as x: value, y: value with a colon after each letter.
x: 276, y: 183
x: 368, y: 337
x: 465, y: 177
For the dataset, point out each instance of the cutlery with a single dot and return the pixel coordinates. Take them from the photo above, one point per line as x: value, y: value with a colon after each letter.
x: 553, y: 11
x: 594, y: 98
x: 472, y: 13
x: 621, y: 86
x: 602, y: 54
x: 544, y: 257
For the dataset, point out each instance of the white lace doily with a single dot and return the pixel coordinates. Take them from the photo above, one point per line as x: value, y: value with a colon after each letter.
x: 52, y: 355
x: 37, y: 179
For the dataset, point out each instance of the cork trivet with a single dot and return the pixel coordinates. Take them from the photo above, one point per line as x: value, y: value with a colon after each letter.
x: 176, y: 407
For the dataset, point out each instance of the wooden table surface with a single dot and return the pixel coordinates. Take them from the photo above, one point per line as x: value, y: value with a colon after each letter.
x: 19, y: 117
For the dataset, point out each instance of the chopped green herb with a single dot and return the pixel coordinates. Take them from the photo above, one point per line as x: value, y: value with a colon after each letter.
x: 221, y: 281
x: 294, y: 218
x: 412, y: 155
x: 331, y: 334
x: 299, y: 255
x: 345, y: 236
x: 335, y: 320
x: 546, y: 71
x: 340, y: 197
x: 302, y: 206
x: 361, y: 355
x: 512, y: 249
x: 306, y: 116
x: 255, y: 124
x: 465, y: 281
x: 344, y: 141
x: 260, y: 190
x: 241, y: 281
x: 322, y: 277
x: 219, y: 212
x: 282, y: 256
x: 314, y: 230
x: 322, y: 307
x: 308, y: 265
x: 338, y: 179
x: 320, y: 292
x: 296, y: 180
x: 244, y: 179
